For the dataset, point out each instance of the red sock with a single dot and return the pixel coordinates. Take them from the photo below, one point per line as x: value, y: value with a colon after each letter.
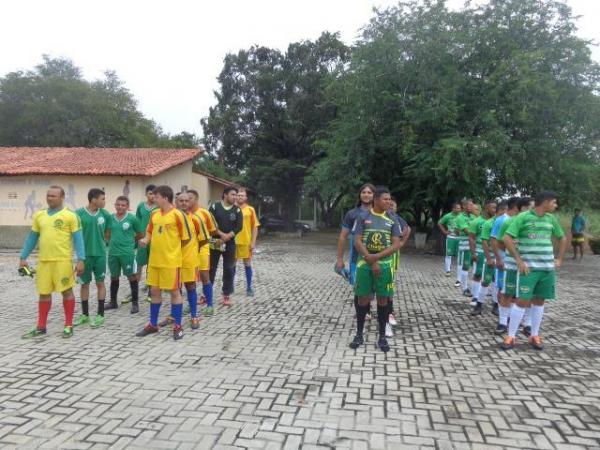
x: 69, y: 307
x: 43, y: 310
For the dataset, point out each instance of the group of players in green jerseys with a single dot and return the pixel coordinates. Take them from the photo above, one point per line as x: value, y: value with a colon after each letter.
x: 509, y: 250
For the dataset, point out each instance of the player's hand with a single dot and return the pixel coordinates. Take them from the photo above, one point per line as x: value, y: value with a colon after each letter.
x: 376, y: 269
x: 489, y: 262
x: 79, y: 268
x: 370, y: 259
x: 500, y: 265
x: 474, y: 258
x: 22, y: 263
x: 523, y: 268
x: 557, y: 263
x: 339, y: 265
x: 143, y: 242
x: 219, y: 242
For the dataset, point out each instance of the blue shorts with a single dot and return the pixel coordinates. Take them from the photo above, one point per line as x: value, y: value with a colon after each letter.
x: 499, y: 279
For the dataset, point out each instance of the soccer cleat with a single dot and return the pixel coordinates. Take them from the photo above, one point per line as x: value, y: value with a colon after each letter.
x: 34, y: 333
x: 149, y: 299
x: 457, y: 283
x: 473, y: 302
x: 226, y: 300
x: 357, y: 342
x: 527, y: 331
x: 383, y: 344
x: 26, y: 271
x: 67, y: 332
x: 135, y: 308
x: 177, y: 332
x: 448, y: 274
x: 98, y: 321
x: 202, y: 300
x: 195, y: 323
x: 388, y: 330
x: 166, y: 322
x: 249, y: 293
x: 127, y: 300
x: 495, y: 309
x: 508, y: 343
x: 536, y: 342
x: 81, y: 320
x: 111, y: 305
x: 477, y: 310
x: 392, y: 319
x: 209, y: 311
x: 148, y: 329
x: 500, y: 330
x: 467, y: 292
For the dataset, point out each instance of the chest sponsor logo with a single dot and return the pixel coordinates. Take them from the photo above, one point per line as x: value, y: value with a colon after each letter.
x: 101, y: 221
x: 126, y: 226
x: 58, y: 224
x: 232, y: 217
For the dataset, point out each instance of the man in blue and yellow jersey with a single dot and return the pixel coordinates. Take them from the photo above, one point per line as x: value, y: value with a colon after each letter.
x: 245, y: 240
x: 56, y: 229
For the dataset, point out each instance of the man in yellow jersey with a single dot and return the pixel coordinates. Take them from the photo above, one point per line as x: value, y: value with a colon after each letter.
x: 143, y: 213
x: 56, y: 228
x: 167, y: 231
x: 245, y: 241
x: 204, y: 255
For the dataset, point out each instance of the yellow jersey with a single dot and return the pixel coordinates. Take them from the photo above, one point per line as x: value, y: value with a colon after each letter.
x: 56, y: 230
x: 244, y: 237
x: 191, y: 248
x: 208, y: 219
x: 167, y: 230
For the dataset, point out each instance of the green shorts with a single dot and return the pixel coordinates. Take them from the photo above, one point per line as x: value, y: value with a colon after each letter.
x: 366, y: 284
x: 464, y: 259
x: 125, y: 264
x: 141, y: 257
x: 511, y: 278
x: 483, y: 271
x: 93, y: 265
x: 539, y: 284
x: 451, y: 246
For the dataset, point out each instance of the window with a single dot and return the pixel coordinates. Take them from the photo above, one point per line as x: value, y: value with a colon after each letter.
x: 13, y: 196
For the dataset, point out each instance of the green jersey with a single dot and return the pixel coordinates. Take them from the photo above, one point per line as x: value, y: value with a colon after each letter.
x: 535, y: 238
x: 377, y: 231
x: 93, y: 227
x: 476, y: 228
x: 122, y: 234
x: 486, y: 233
x: 509, y: 261
x: 143, y: 214
x: 463, y: 222
x: 449, y: 221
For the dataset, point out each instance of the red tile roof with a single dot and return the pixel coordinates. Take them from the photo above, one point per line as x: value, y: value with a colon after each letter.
x: 91, y: 161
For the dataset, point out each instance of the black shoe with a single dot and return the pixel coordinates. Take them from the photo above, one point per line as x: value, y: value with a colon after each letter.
x: 457, y: 284
x: 177, y: 332
x: 148, y: 329
x: 467, y: 292
x: 111, y: 305
x: 477, y: 310
x: 135, y: 308
x: 357, y: 342
x: 383, y: 344
x: 495, y: 309
x: 527, y: 331
x: 500, y: 330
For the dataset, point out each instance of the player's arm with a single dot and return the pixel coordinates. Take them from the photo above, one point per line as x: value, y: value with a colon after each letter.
x: 406, y: 232
x: 183, y: 226
x: 472, y: 246
x: 559, y: 234
x: 148, y: 237
x: 79, y: 247
x: 442, y: 228
x: 340, y: 247
x: 107, y: 235
x: 239, y: 222
x: 255, y: 224
x: 487, y: 252
x: 497, y: 252
x: 28, y: 246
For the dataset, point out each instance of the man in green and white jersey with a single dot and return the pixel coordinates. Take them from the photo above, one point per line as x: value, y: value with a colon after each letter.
x: 94, y: 222
x: 483, y: 260
x: 464, y: 252
x: 124, y: 231
x: 536, y: 264
x: 143, y: 213
x: 376, y: 239
x: 447, y: 225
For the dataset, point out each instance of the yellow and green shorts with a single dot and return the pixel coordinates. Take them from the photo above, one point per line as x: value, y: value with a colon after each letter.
x: 367, y: 284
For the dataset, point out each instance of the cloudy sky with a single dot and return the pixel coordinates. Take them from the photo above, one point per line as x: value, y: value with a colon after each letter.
x: 170, y: 53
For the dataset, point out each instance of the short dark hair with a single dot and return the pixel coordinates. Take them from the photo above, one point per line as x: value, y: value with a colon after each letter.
x: 194, y: 192
x: 150, y: 188
x: 164, y: 191
x: 229, y: 189
x: 94, y: 193
x: 456, y: 204
x: 502, y: 204
x: 55, y: 186
x: 541, y: 197
x: 379, y: 191
x: 523, y: 201
x: 512, y: 202
x: 489, y: 202
x: 122, y: 198
x: 577, y: 210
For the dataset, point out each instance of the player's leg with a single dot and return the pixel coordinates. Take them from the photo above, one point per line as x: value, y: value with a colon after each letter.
x: 249, y: 274
x: 192, y: 298
x: 69, y: 309
x: 176, y: 306
x: 459, y: 263
x: 524, y: 288
x: 228, y: 271
x: 364, y: 289
x: 215, y: 255
x: 84, y: 291
x: 464, y: 275
x: 384, y: 289
x: 44, y: 285
x: 506, y: 300
x: 545, y: 290
x: 153, y: 282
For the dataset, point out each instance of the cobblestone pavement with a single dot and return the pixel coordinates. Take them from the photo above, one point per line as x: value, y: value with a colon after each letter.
x: 275, y: 371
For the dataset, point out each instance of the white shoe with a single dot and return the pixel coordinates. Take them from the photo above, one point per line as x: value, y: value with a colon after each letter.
x: 473, y: 302
x: 392, y: 319
x: 388, y: 330
x: 457, y: 283
x: 448, y: 274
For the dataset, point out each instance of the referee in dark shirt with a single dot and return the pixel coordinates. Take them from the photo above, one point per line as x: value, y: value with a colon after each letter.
x: 229, y: 221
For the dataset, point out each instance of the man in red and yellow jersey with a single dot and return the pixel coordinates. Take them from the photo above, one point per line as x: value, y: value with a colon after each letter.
x: 167, y: 231
x: 245, y: 241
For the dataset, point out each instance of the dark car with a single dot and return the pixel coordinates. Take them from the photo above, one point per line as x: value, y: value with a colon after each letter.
x: 274, y: 222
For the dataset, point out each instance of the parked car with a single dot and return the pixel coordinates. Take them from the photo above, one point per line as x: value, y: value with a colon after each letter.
x: 274, y: 222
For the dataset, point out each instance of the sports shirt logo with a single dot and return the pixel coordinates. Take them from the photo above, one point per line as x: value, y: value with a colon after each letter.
x: 58, y: 223
x: 100, y: 220
x: 126, y: 226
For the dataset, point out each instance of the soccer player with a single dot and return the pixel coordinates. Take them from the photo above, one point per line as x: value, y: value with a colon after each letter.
x: 245, y: 241
x: 447, y: 225
x: 483, y: 276
x: 204, y: 254
x: 124, y: 231
x: 56, y: 228
x: 577, y: 229
x: 143, y: 212
x: 167, y: 231
x: 489, y: 241
x: 229, y: 221
x: 377, y: 238
x: 536, y: 264
x: 95, y: 221
x: 471, y: 212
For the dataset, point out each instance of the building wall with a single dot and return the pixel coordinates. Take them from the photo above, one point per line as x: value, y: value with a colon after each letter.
x: 201, y: 184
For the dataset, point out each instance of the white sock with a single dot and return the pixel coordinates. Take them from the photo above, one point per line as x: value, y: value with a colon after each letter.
x: 475, y: 287
x: 527, y: 317
x: 458, y: 270
x: 516, y: 315
x: 494, y: 293
x: 464, y: 278
x: 503, y: 313
x: 448, y: 263
x: 483, y: 290
x: 537, y: 314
